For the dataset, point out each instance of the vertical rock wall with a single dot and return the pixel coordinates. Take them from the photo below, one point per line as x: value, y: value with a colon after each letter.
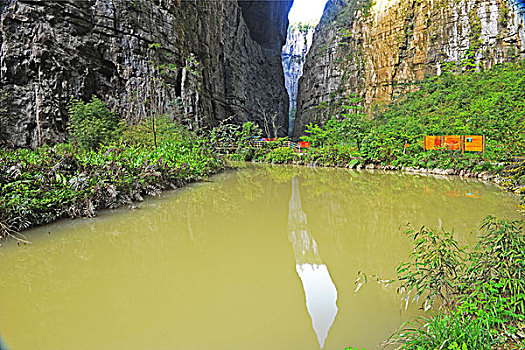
x: 217, y: 59
x: 298, y: 41
x: 375, y: 49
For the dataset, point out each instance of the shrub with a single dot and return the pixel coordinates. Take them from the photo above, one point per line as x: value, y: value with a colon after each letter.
x: 281, y: 155
x: 243, y: 154
x: 154, y: 131
x: 447, y: 331
x: 497, y: 264
x: 331, y: 155
x: 92, y: 124
x: 482, y: 292
x: 433, y: 267
x: 316, y: 135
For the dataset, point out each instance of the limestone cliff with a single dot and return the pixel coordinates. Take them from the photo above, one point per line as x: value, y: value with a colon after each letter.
x: 298, y: 41
x: 217, y: 59
x: 375, y: 49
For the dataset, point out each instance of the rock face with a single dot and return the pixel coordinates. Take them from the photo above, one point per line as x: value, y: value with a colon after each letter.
x: 374, y: 50
x: 199, y: 61
x: 298, y: 42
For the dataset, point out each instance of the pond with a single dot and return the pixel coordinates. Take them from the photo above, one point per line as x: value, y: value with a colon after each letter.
x: 264, y: 257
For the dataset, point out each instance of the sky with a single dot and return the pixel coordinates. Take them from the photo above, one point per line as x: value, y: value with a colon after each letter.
x: 306, y: 10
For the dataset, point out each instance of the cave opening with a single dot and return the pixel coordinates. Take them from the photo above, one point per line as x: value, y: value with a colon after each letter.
x: 303, y: 17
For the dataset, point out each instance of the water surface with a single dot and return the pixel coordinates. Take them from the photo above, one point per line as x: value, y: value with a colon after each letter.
x: 260, y: 258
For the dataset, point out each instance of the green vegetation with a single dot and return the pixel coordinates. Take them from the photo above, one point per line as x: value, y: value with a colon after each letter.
x: 154, y: 131
x: 480, y: 292
x: 490, y: 103
x: 302, y: 27
x: 280, y: 155
x: 92, y: 124
x: 487, y: 103
x: 107, y: 165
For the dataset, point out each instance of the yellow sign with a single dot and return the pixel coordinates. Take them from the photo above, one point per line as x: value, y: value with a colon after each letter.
x: 475, y: 143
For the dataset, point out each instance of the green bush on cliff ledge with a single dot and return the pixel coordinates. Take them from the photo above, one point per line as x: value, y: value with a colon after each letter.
x: 489, y: 102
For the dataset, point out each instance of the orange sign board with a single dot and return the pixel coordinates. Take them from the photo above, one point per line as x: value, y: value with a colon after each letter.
x: 453, y: 142
x: 470, y: 143
x: 475, y: 143
x: 432, y: 142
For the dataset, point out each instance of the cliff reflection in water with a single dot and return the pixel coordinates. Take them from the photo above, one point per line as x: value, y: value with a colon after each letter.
x: 319, y: 289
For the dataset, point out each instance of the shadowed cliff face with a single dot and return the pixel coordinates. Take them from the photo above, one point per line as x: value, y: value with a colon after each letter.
x: 224, y: 58
x: 374, y: 50
x: 266, y: 21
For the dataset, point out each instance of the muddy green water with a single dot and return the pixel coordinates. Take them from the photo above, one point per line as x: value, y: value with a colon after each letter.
x: 259, y: 258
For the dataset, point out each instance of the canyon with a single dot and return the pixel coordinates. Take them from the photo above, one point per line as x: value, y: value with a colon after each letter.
x: 207, y: 62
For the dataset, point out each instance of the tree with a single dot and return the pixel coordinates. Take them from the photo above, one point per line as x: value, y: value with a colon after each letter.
x: 354, y: 125
x: 270, y: 127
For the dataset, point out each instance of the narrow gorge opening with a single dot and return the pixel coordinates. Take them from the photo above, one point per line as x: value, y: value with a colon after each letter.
x: 303, y: 17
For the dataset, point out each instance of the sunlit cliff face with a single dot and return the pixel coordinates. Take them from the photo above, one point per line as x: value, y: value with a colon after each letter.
x: 375, y: 50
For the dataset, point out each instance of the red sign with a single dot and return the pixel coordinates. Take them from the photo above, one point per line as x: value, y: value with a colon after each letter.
x: 453, y: 142
x: 432, y: 142
x: 304, y: 144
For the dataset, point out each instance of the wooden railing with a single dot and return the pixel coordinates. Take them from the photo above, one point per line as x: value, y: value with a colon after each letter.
x: 232, y: 146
